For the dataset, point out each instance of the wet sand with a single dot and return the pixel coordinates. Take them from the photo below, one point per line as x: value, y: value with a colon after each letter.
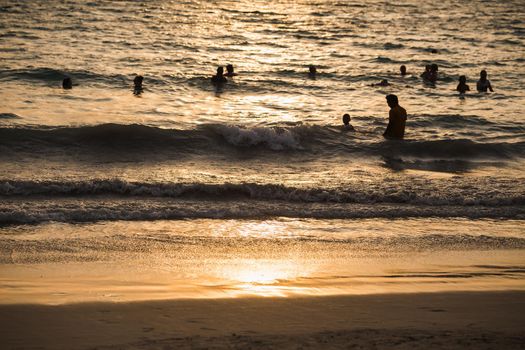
x: 488, y: 320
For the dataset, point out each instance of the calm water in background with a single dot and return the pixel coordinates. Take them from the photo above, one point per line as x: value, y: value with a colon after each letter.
x: 265, y: 156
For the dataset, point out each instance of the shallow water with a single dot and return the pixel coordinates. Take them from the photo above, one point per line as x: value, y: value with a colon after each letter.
x: 268, y: 146
x: 202, y: 258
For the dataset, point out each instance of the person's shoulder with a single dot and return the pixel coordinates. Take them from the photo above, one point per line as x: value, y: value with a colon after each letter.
x: 401, y: 109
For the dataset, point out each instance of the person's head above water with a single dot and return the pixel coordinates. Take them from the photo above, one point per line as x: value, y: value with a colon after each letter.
x: 434, y: 67
x: 312, y: 70
x: 392, y: 100
x: 220, y: 71
x: 462, y: 79
x: 229, y: 68
x: 346, y: 119
x: 67, y: 83
x: 403, y: 70
x: 483, y: 75
x: 138, y: 81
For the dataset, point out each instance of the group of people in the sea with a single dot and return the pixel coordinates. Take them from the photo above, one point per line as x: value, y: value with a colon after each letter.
x: 483, y: 84
x: 396, y: 119
x: 397, y: 116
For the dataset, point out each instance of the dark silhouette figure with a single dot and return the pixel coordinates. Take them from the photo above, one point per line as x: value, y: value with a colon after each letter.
x: 137, y: 82
x: 462, y: 86
x: 312, y: 72
x: 346, y: 123
x: 396, y: 119
x: 433, y: 73
x: 434, y: 51
x: 403, y: 70
x: 229, y: 71
x: 67, y: 83
x: 219, y: 79
x: 426, y: 74
x: 383, y: 82
x: 483, y: 83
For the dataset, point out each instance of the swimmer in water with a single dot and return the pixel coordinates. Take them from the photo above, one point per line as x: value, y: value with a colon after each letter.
x: 483, y: 83
x: 229, y: 71
x: 383, y: 82
x: 67, y: 83
x: 312, y: 72
x: 462, y: 86
x: 403, y: 70
x: 219, y: 78
x: 433, y: 73
x: 426, y: 74
x: 137, y: 82
x: 397, y: 118
x: 346, y: 123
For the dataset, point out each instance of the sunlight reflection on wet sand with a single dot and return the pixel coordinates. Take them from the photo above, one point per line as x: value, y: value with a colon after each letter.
x: 125, y: 261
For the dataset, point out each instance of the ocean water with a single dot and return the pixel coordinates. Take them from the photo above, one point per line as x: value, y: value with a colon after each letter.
x: 254, y: 189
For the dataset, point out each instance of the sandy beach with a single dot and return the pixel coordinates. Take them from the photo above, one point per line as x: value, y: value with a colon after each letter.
x: 489, y: 320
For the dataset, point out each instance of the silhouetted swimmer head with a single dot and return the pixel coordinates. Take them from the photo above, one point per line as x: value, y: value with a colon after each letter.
x: 392, y: 100
x: 434, y: 51
x: 346, y: 123
x: 346, y: 119
x: 67, y: 83
x: 137, y: 82
x: 312, y: 71
x: 483, y: 75
x: 483, y: 83
x: 219, y: 79
x: 462, y: 86
x: 229, y: 71
x: 426, y: 74
x: 434, y: 67
x: 403, y: 70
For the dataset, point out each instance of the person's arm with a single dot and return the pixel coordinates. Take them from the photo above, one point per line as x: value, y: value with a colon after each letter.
x: 490, y: 87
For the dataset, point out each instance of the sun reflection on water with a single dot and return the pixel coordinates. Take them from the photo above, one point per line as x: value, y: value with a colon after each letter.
x: 264, y: 277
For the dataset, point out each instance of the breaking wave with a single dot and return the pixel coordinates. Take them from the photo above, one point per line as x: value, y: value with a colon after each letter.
x: 220, y: 138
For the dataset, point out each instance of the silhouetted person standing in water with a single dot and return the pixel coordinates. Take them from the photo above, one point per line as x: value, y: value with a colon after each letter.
x: 462, y: 86
x: 219, y: 79
x: 433, y: 73
x: 67, y: 83
x: 346, y: 123
x: 403, y: 70
x: 483, y: 83
x: 397, y: 118
x: 137, y: 82
x: 426, y: 74
x: 312, y: 72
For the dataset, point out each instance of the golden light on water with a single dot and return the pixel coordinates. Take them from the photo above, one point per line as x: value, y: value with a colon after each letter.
x: 267, y: 278
x: 263, y: 274
x: 267, y: 228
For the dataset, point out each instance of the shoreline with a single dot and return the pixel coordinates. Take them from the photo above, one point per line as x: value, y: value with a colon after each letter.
x: 458, y: 320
